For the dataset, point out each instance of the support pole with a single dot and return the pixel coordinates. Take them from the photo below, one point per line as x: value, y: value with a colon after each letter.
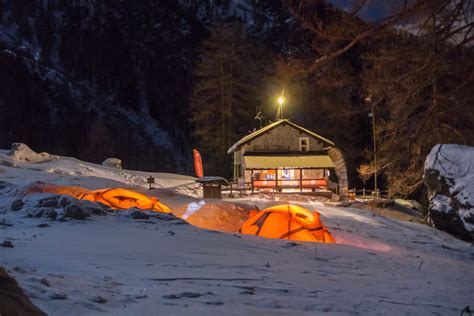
x: 301, y: 180
x: 375, y: 152
x: 252, y: 180
x: 276, y: 179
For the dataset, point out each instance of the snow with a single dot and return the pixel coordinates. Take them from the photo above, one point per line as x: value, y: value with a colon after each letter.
x: 453, y: 161
x: 193, y: 207
x: 22, y: 152
x: 455, y: 164
x: 156, y: 266
x: 66, y: 170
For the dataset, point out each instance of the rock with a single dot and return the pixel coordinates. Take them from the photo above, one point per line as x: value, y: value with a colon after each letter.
x: 140, y: 296
x: 64, y: 201
x: 22, y: 152
x: 5, y: 223
x: 112, y: 162
x: 4, y: 185
x: 7, y: 244
x: 19, y: 269
x: 58, y: 296
x: 17, y: 205
x: 138, y: 215
x: 39, y: 213
x: 13, y: 300
x: 95, y: 208
x: 45, y: 282
x: 449, y: 178
x: 99, y: 299
x: 167, y: 217
x: 44, y: 225
x: 51, y: 214
x: 51, y: 202
x: 76, y: 212
x: 291, y: 244
x: 181, y: 295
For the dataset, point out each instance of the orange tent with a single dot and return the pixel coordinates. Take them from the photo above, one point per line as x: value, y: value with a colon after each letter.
x: 287, y: 222
x: 116, y: 198
x: 123, y: 199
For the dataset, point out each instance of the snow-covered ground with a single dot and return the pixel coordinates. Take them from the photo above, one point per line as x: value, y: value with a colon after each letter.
x: 449, y: 176
x: 161, y: 267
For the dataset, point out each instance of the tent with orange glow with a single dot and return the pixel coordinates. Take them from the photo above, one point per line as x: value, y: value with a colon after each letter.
x: 119, y: 198
x: 290, y: 222
x: 116, y: 198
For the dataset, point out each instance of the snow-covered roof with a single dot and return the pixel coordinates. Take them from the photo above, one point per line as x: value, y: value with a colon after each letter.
x: 271, y: 126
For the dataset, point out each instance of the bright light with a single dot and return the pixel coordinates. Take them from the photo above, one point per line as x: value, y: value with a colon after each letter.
x: 281, y: 100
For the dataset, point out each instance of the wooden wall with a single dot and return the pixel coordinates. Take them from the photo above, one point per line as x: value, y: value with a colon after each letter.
x: 281, y: 138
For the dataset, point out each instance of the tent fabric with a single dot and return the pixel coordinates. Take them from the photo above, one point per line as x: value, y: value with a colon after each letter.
x: 116, y: 198
x: 274, y: 162
x: 119, y: 198
x: 290, y: 222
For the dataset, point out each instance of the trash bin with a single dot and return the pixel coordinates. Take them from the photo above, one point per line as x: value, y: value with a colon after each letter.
x: 212, y: 186
x: 212, y: 191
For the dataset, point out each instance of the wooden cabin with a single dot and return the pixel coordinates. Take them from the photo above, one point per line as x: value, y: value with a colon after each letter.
x: 283, y: 155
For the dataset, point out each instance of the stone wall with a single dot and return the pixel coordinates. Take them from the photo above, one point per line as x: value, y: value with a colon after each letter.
x: 341, y: 171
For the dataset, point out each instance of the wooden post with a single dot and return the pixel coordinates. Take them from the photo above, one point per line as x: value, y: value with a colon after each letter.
x: 251, y: 180
x: 301, y: 180
x: 276, y: 179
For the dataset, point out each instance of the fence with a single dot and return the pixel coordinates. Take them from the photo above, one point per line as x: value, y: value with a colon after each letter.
x: 367, y: 194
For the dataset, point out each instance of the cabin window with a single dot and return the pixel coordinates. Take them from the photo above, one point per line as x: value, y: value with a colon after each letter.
x: 304, y: 143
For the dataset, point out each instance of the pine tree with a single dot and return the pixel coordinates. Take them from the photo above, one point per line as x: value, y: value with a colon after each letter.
x: 225, y: 94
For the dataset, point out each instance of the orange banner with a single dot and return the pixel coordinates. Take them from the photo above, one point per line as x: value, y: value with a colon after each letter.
x: 198, y: 163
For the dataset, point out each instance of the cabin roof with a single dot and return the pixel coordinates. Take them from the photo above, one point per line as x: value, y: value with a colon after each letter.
x: 271, y: 126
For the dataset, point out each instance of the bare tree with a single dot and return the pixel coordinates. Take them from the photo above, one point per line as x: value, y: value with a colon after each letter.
x: 417, y: 68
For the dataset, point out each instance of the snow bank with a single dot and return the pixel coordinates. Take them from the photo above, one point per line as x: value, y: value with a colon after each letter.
x: 53, y: 169
x: 449, y: 177
x: 22, y: 152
